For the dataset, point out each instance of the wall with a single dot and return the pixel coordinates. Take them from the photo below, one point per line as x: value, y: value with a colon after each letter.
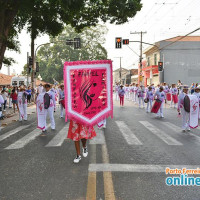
x: 181, y: 62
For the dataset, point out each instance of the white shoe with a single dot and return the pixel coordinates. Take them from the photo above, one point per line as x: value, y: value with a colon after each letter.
x: 85, y: 152
x: 188, y: 129
x: 77, y: 159
x: 162, y: 116
x: 61, y: 116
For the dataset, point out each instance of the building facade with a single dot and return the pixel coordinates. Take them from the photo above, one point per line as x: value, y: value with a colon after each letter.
x: 180, y: 57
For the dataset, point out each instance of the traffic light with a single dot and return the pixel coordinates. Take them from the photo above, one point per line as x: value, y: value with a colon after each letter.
x: 160, y: 66
x: 126, y: 41
x: 77, y: 43
x: 37, y: 66
x: 30, y: 61
x: 118, y: 42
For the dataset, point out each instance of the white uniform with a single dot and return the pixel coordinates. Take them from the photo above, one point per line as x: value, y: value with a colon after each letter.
x: 174, y: 91
x: 24, y: 106
x: 141, y: 94
x: 161, y: 96
x: 61, y: 97
x: 50, y: 110
x: 1, y: 102
x: 198, y: 96
x: 116, y: 93
x: 149, y: 95
x: 185, y: 115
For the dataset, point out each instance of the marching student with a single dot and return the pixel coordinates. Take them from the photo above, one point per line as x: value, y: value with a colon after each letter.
x: 14, y: 98
x: 126, y: 88
x: 61, y: 99
x: 141, y: 94
x: 160, y: 95
x: 116, y: 92
x: 78, y: 132
x: 174, y: 92
x: 197, y: 93
x: 181, y: 109
x: 22, y: 103
x: 121, y: 93
x: 135, y: 92
x: 50, y: 106
x: 149, y: 97
x: 158, y: 88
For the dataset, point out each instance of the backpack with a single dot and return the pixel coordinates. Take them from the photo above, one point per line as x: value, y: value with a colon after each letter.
x: 24, y: 98
x: 46, y: 101
x: 187, y: 104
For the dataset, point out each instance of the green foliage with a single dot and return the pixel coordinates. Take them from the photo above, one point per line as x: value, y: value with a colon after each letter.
x: 52, y: 57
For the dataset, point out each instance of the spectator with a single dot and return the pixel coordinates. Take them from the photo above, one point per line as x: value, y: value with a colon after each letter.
x: 29, y: 94
x: 14, y: 99
x: 5, y: 96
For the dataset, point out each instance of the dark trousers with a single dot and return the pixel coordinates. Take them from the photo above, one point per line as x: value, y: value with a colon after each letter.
x: 29, y: 98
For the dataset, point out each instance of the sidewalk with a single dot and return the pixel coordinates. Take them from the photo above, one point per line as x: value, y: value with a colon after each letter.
x: 10, y: 116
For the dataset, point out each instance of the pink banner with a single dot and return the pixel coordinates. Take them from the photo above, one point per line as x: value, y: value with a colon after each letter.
x: 88, y: 91
x: 194, y: 111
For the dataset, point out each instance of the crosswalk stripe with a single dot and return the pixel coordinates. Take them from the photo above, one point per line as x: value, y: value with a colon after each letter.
x: 178, y: 129
x: 128, y: 135
x: 8, y: 134
x: 59, y: 138
x: 161, y: 134
x: 26, y: 139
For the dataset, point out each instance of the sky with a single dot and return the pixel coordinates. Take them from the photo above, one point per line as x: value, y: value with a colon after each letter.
x: 160, y: 19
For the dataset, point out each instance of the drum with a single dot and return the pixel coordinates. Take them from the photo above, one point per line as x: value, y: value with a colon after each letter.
x: 63, y: 103
x: 168, y: 97
x: 175, y: 98
x: 156, y: 106
x: 146, y: 100
x: 186, y: 104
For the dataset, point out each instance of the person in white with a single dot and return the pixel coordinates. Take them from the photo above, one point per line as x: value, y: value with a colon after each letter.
x: 174, y: 91
x: 61, y: 97
x: 135, y: 92
x: 197, y: 93
x: 185, y: 115
x: 149, y: 96
x: 1, y: 102
x: 126, y: 91
x: 158, y: 88
x: 40, y: 89
x: 141, y: 94
x: 22, y: 103
x: 50, y: 111
x: 5, y: 96
x: 160, y: 95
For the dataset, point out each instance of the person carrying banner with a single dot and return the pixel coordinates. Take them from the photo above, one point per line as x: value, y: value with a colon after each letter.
x: 22, y: 103
x: 149, y: 98
x: 181, y: 109
x: 49, y: 105
x: 160, y: 96
x: 61, y: 100
x: 174, y: 92
x: 121, y: 93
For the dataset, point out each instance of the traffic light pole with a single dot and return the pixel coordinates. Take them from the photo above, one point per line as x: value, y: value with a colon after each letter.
x: 120, y: 70
x: 140, y: 60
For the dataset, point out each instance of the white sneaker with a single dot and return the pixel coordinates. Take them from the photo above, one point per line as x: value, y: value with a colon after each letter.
x: 61, y: 116
x: 85, y: 152
x: 77, y: 159
x: 188, y: 129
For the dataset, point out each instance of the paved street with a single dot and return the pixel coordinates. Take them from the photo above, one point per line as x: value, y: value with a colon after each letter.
x: 126, y: 161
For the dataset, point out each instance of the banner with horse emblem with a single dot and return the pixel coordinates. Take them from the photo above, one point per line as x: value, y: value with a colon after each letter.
x: 89, y: 92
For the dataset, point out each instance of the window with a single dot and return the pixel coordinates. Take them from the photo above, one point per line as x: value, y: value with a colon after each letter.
x: 148, y: 61
x: 21, y: 83
x: 155, y: 59
x: 14, y: 83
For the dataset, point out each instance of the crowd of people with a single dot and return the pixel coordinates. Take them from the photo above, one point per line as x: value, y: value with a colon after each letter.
x: 156, y: 96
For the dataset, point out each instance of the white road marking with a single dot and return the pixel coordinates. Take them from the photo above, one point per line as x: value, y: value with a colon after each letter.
x: 59, y: 138
x: 128, y: 135
x: 8, y: 134
x: 161, y: 134
x: 26, y: 139
x: 178, y: 129
x: 100, y: 138
x: 106, y: 167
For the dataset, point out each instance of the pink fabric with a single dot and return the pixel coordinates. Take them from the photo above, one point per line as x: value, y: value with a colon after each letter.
x: 156, y: 107
x: 88, y: 91
x: 168, y: 96
x: 175, y: 98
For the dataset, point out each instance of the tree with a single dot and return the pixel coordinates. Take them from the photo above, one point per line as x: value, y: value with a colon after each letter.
x: 52, y: 57
x: 50, y: 16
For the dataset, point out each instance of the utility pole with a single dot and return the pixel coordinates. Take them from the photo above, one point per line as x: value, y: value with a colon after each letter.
x: 120, y: 71
x: 140, y: 59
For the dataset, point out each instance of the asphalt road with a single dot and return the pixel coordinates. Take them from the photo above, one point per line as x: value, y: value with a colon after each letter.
x: 126, y: 161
